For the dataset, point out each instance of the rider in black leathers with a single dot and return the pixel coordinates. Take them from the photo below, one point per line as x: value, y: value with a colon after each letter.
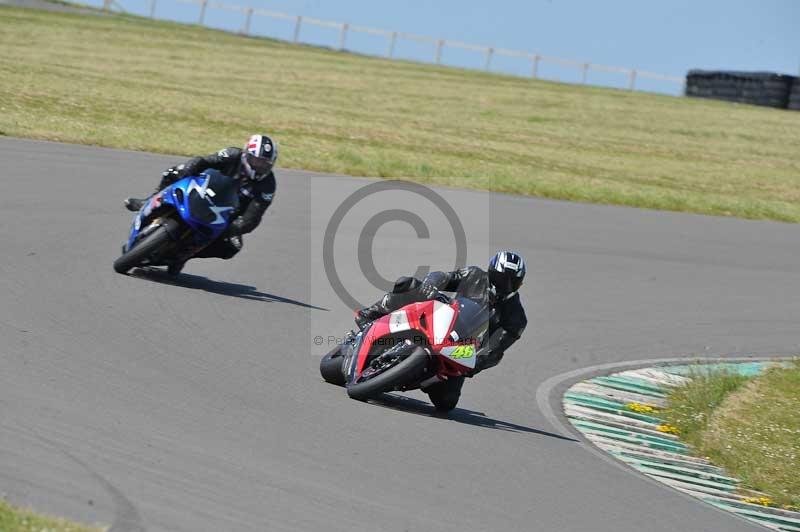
x: 252, y: 165
x: 497, y: 287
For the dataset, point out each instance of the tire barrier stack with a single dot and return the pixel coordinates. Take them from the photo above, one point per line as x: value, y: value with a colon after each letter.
x: 756, y: 88
x: 794, y: 95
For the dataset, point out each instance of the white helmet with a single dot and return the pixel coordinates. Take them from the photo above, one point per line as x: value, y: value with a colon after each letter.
x: 259, y: 156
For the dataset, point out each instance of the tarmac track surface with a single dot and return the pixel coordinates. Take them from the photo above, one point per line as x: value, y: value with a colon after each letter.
x: 196, y: 405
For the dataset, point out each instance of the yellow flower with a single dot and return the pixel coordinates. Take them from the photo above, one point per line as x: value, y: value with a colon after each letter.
x: 641, y: 408
x: 669, y: 429
x: 763, y: 501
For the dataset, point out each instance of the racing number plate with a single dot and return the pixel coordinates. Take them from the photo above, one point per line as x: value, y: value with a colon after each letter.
x: 463, y: 354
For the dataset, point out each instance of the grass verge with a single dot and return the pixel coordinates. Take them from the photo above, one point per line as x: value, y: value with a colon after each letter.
x: 749, y: 426
x: 133, y: 83
x: 14, y: 519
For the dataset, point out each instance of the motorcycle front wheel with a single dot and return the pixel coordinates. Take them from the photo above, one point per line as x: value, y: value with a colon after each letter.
x: 144, y: 249
x: 330, y: 367
x: 406, y: 372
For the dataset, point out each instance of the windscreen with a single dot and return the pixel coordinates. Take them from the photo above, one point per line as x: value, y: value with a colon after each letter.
x: 475, y: 287
x: 473, y: 319
x: 218, y: 191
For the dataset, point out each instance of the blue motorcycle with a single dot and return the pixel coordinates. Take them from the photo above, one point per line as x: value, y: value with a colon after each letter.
x: 179, y: 221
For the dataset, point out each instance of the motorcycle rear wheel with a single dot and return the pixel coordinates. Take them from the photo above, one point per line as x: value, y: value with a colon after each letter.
x: 144, y: 249
x: 407, y: 372
x: 445, y: 395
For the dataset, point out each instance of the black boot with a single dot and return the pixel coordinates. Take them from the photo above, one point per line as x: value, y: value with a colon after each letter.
x: 134, y: 204
x: 175, y: 268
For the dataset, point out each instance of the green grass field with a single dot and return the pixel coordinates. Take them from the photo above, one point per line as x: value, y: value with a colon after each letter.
x: 14, y: 519
x: 133, y: 83
x: 751, y: 427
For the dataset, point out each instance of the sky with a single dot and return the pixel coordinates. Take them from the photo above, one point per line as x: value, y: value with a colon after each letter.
x: 666, y: 37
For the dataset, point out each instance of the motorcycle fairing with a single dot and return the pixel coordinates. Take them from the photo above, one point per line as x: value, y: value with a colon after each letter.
x: 433, y: 322
x: 461, y: 354
x: 204, y: 202
x: 443, y: 318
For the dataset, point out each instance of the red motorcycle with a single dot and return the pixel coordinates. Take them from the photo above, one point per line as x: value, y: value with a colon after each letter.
x: 418, y: 346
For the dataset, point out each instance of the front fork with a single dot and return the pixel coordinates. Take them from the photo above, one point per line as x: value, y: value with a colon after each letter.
x: 155, y: 224
x: 179, y: 233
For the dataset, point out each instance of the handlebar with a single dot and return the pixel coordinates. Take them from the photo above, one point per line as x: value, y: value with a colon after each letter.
x: 443, y: 298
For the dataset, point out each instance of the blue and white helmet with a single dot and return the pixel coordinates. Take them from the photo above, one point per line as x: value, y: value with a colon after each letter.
x: 506, y: 272
x: 259, y: 156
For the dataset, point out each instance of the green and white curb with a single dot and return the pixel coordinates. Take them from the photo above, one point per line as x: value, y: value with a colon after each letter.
x: 618, y: 414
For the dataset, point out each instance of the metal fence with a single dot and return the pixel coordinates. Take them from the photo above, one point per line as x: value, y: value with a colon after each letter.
x: 392, y: 38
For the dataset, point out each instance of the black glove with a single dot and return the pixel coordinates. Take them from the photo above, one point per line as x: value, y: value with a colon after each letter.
x: 362, y: 320
x: 428, y: 291
x: 172, y: 173
x: 367, y: 315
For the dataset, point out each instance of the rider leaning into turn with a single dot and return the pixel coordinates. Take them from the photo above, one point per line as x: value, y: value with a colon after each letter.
x: 497, y: 287
x: 252, y: 165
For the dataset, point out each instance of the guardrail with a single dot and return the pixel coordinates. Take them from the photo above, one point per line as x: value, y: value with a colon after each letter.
x: 393, y: 36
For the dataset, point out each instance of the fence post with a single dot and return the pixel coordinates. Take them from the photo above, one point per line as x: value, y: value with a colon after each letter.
x: 343, y: 36
x: 535, y: 71
x: 248, y: 18
x: 489, y: 53
x: 297, y: 28
x: 152, y: 8
x: 392, y: 40
x: 632, y: 81
x: 202, y: 12
x: 439, y: 45
x: 585, y: 73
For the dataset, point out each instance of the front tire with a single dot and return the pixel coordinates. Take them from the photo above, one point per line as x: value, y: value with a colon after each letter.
x: 406, y: 372
x: 331, y: 367
x: 143, y: 250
